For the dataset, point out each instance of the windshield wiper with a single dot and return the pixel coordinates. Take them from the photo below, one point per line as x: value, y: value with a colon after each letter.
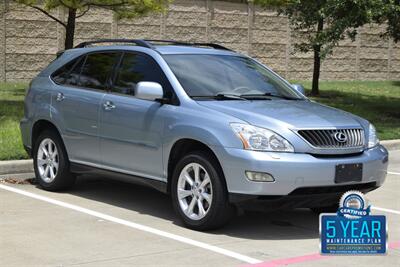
x: 230, y: 96
x: 221, y: 96
x: 269, y: 94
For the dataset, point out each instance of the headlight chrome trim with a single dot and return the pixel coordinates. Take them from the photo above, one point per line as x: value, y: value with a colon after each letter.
x: 261, y: 139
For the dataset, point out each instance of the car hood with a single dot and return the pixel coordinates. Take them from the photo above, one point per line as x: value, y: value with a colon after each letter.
x: 290, y: 114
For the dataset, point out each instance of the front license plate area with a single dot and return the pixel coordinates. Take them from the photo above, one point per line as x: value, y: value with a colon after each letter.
x: 348, y: 173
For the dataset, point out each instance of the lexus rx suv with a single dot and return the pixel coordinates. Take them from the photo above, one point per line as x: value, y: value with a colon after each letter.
x: 211, y: 127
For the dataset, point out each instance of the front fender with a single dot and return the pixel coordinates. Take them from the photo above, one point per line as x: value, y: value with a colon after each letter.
x: 208, y: 128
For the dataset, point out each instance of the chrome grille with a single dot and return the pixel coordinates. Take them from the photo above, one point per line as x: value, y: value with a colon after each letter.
x: 334, y: 138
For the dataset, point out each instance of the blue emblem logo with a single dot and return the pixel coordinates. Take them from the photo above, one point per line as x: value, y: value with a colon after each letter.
x: 352, y: 205
x: 353, y: 230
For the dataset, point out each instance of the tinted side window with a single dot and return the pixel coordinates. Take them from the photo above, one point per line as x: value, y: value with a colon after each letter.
x: 96, y: 70
x: 73, y: 75
x: 136, y: 68
x: 61, y: 75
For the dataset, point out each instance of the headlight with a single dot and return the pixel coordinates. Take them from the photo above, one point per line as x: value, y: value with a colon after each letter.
x: 372, y: 136
x: 256, y: 138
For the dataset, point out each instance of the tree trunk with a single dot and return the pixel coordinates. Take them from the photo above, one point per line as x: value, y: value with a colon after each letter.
x: 316, y: 72
x: 70, y: 29
x: 317, y: 62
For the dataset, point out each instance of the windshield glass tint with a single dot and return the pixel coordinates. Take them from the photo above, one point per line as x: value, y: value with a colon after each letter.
x: 209, y: 75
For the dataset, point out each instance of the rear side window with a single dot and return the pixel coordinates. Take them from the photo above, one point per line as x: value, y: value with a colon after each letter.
x: 91, y: 71
x: 136, y: 68
x: 73, y: 76
x: 63, y: 74
x: 97, y: 69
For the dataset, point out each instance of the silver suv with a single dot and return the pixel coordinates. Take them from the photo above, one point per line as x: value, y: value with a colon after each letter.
x: 213, y: 128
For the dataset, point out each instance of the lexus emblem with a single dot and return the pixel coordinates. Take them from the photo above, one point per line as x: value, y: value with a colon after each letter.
x: 340, y: 137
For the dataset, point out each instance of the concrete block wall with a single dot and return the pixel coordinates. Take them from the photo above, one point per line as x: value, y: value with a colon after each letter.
x: 2, y: 42
x: 29, y: 39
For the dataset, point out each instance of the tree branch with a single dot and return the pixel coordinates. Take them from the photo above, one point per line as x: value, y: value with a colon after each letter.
x: 121, y: 3
x: 84, y: 12
x: 48, y: 14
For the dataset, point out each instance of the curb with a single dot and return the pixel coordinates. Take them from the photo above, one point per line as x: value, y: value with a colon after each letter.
x: 26, y: 166
x: 391, y: 144
x: 16, y: 166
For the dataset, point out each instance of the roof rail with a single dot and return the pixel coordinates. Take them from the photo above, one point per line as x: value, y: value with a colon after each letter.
x: 137, y: 42
x: 215, y: 46
x: 147, y: 43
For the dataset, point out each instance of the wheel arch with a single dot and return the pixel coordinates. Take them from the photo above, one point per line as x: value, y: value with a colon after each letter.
x: 181, y: 148
x: 41, y: 125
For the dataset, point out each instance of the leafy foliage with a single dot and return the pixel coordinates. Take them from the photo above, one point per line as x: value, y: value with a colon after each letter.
x: 338, y: 19
x: 319, y: 25
x: 388, y: 11
x: 122, y: 8
x: 78, y: 8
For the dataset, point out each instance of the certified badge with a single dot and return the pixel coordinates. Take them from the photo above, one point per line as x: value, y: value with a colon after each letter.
x: 353, y: 230
x: 352, y: 205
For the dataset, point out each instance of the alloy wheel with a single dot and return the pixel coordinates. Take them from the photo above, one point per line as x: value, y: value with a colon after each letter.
x: 47, y: 160
x: 194, y: 191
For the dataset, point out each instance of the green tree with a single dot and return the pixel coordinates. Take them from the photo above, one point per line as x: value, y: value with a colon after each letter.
x: 388, y: 12
x: 78, y: 8
x: 321, y: 24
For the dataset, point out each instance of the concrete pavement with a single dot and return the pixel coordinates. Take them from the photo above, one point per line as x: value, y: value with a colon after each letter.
x: 36, y: 232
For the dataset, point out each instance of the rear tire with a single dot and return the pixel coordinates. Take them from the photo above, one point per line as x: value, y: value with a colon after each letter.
x: 202, y: 201
x: 51, y: 163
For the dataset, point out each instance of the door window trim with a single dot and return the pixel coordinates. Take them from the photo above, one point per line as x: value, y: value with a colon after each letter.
x: 84, y: 57
x: 114, y: 70
x: 175, y: 99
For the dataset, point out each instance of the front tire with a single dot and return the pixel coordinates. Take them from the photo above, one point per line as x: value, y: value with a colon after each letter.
x: 199, y: 193
x: 51, y: 164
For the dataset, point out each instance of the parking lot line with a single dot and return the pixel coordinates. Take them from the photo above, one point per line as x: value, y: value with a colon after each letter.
x: 385, y: 210
x: 288, y: 261
x: 305, y: 258
x: 395, y: 173
x: 137, y: 226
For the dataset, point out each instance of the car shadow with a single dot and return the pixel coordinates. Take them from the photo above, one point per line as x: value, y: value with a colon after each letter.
x: 277, y: 225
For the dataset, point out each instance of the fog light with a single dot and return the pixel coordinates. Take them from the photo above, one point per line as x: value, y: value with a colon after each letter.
x: 259, y: 176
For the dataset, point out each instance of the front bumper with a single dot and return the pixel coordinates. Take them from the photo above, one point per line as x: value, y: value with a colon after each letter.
x: 304, y: 197
x: 294, y: 171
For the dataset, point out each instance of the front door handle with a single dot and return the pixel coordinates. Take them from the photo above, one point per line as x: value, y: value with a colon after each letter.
x: 60, y: 97
x: 108, y: 105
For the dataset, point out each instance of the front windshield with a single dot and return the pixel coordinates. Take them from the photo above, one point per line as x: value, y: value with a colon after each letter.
x: 210, y: 75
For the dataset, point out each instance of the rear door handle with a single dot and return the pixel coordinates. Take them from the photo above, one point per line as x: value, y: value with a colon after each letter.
x: 60, y: 97
x: 108, y: 105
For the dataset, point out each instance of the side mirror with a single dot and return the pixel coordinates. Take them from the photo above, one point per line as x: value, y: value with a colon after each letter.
x: 149, y: 91
x: 299, y: 88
